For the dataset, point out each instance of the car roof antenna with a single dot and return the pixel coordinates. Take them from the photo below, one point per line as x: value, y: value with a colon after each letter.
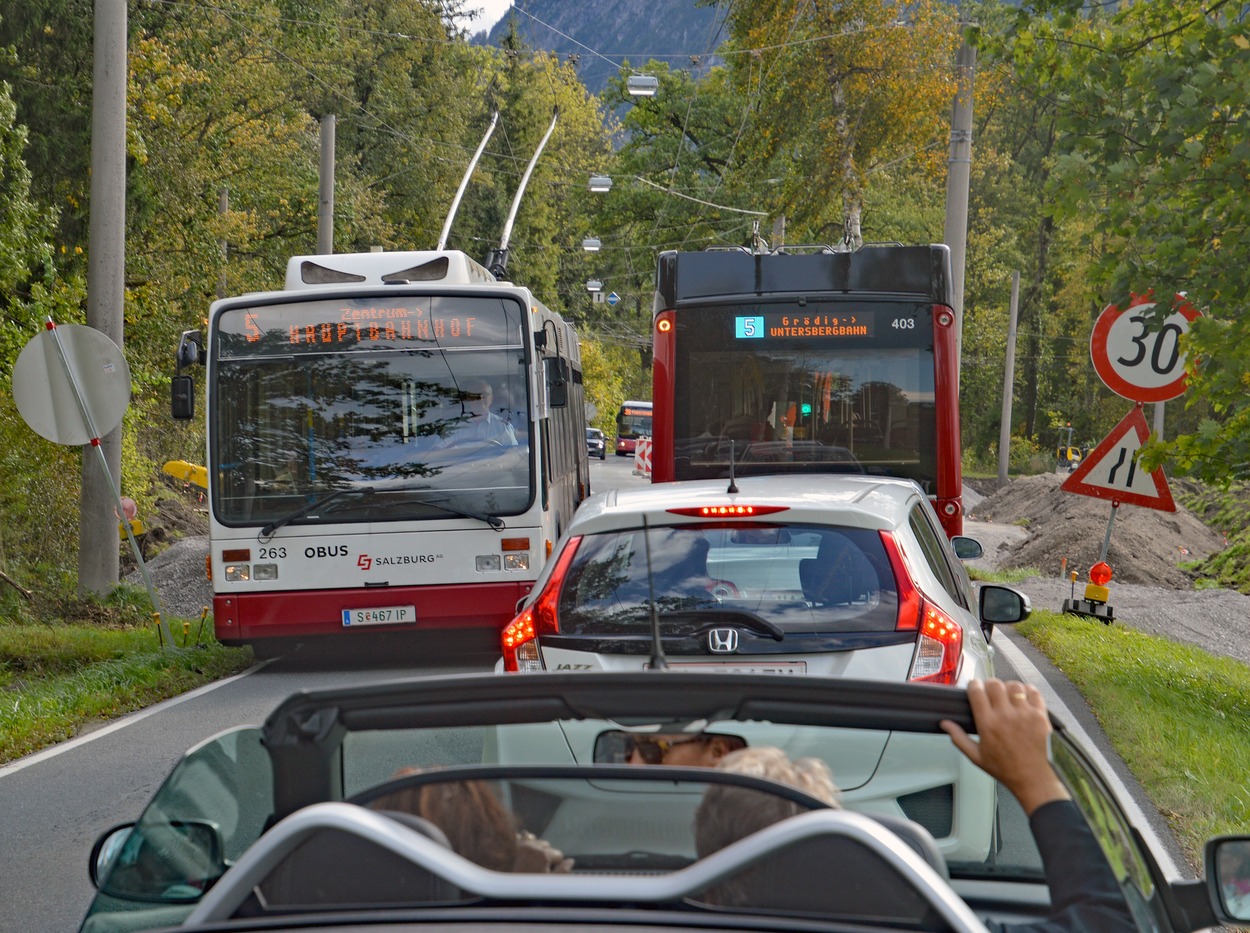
x: 658, y: 663
x: 733, y: 487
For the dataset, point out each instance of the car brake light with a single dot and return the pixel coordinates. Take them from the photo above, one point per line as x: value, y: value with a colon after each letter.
x: 940, y: 641
x: 729, y: 510
x: 939, y: 649
x: 519, y: 637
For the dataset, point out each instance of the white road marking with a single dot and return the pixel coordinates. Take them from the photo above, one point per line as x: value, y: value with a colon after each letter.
x: 33, y: 759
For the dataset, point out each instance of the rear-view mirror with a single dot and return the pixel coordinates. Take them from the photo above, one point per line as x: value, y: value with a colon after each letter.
x: 557, y: 382
x: 182, y: 398
x: 617, y: 747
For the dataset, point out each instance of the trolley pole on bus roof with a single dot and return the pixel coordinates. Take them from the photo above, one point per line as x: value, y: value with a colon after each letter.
x: 464, y: 182
x: 497, y: 263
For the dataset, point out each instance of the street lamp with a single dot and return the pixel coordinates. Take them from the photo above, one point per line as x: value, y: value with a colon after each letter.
x: 642, y: 85
x: 591, y: 244
x: 600, y: 183
x: 594, y: 285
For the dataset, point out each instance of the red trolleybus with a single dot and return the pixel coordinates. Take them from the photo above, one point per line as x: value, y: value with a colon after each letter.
x: 395, y: 442
x: 633, y: 420
x: 813, y: 361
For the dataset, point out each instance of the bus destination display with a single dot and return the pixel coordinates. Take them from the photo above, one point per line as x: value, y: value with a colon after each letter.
x: 800, y: 326
x: 338, y: 325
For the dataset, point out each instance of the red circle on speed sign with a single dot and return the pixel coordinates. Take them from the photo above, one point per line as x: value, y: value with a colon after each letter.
x: 1138, y: 358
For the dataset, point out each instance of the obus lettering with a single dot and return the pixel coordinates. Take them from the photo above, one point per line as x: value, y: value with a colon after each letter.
x: 337, y: 550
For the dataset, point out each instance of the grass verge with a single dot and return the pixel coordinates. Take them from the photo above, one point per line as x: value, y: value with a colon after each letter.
x: 57, y: 679
x: 1177, y: 715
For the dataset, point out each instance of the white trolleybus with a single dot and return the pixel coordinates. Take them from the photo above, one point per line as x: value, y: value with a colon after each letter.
x: 395, y: 441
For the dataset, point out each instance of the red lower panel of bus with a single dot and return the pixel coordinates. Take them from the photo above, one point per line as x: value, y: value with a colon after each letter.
x: 245, y: 617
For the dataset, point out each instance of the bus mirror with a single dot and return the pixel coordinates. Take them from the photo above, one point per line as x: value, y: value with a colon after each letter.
x: 557, y: 382
x: 190, y: 349
x: 182, y: 398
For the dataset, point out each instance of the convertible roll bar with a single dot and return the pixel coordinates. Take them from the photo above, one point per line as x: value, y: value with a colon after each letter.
x: 237, y: 884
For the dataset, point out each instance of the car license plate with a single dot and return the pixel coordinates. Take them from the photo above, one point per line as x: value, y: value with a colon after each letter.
x: 381, y: 615
x: 732, y: 667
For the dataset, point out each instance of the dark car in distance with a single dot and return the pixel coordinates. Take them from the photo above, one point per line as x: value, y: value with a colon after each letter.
x: 596, y: 444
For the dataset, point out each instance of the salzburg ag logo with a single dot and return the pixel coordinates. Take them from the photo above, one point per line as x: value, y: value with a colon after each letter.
x: 364, y: 562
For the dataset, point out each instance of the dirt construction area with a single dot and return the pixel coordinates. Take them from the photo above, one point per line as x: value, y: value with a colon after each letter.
x: 1032, y: 524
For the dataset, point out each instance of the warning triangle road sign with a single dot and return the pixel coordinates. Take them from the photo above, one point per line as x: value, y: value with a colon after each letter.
x: 1110, y: 470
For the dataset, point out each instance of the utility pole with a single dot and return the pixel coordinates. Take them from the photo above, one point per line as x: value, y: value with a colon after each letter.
x: 325, y: 214
x: 98, y: 540
x: 959, y: 164
x: 1009, y: 380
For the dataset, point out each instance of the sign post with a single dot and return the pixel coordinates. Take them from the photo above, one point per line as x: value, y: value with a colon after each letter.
x: 68, y: 382
x: 1138, y: 356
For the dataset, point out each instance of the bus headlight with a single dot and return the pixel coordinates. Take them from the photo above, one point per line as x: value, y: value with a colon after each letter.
x: 237, y: 573
x: 487, y: 563
x: 516, y: 562
x: 265, y: 572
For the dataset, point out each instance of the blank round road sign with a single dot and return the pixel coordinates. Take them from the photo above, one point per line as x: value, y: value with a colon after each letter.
x: 45, y: 397
x: 1141, y: 359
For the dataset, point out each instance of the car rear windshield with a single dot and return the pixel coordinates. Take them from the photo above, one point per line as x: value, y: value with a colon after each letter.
x: 814, y: 578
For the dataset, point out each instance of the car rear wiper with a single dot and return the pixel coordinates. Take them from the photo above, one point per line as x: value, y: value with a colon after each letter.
x: 743, y: 617
x: 267, y: 531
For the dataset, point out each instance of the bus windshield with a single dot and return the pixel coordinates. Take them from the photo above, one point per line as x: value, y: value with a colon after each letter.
x: 394, y: 393
x: 633, y: 421
x: 824, y: 387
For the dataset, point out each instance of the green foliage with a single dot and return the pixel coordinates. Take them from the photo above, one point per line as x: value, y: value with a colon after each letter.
x: 1175, y: 714
x: 1151, y: 151
x: 1223, y: 508
x: 56, y: 679
x: 612, y: 375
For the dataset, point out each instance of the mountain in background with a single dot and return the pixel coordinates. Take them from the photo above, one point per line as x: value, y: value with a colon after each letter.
x: 605, y: 34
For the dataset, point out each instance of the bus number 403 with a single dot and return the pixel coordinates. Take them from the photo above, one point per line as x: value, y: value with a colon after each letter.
x: 904, y: 323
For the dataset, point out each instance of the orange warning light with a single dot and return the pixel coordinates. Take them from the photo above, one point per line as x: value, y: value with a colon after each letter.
x: 1100, y: 574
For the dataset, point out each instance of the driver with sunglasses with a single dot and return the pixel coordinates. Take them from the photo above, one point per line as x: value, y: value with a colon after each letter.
x: 698, y: 750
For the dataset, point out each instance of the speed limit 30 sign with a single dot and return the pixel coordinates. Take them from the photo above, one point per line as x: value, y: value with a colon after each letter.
x: 1140, y: 357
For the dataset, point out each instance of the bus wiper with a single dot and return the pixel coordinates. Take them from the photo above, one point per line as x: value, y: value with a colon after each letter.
x: 743, y: 617
x: 267, y: 531
x: 493, y: 520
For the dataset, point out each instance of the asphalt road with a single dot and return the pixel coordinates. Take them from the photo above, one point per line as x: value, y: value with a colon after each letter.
x: 53, y: 805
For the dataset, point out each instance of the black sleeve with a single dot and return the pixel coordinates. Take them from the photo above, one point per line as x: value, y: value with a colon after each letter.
x: 1084, y: 894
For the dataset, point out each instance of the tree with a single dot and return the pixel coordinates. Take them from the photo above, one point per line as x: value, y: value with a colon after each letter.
x: 1153, y: 151
x: 838, y: 93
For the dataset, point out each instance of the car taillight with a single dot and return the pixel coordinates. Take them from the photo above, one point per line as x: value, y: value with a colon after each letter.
x: 519, y: 637
x: 939, y: 649
x: 940, y: 640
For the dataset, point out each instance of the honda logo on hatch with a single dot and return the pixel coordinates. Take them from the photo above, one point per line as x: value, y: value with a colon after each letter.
x: 723, y: 640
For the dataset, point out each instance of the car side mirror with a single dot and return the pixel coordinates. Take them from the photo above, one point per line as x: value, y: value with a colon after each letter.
x: 967, y: 548
x: 1228, y: 878
x: 180, y: 859
x: 105, y: 851
x: 1002, y: 605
